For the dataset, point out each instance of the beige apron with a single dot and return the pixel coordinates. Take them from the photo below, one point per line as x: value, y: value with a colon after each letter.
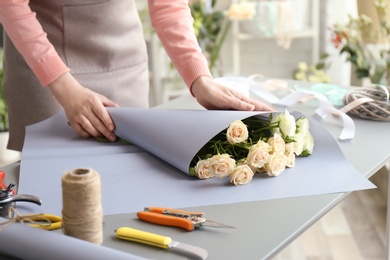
x: 100, y: 40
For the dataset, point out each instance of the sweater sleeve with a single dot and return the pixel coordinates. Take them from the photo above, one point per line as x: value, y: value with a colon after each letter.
x: 173, y: 23
x: 31, y: 41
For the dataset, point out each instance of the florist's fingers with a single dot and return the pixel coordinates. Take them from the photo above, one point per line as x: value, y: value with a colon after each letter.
x: 215, y: 96
x: 84, y: 108
x: 222, y: 98
x: 79, y: 129
x: 89, y: 124
x: 103, y: 122
x: 97, y: 128
x: 258, y: 105
x: 238, y: 101
x: 107, y: 102
x: 102, y: 113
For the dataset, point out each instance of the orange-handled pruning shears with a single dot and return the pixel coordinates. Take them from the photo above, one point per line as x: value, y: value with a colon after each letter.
x: 2, y: 184
x: 177, y: 218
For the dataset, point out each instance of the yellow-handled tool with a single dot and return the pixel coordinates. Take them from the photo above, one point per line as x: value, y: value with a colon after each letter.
x: 45, y: 221
x: 165, y: 242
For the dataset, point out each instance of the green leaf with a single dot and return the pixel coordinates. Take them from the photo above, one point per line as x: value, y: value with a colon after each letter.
x: 362, y: 73
x: 324, y: 56
x: 305, y: 154
x: 320, y: 66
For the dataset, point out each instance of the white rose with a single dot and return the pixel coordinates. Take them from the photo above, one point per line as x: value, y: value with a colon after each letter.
x: 302, y: 124
x: 286, y: 124
x: 275, y: 121
x: 299, y: 142
x: 221, y: 165
x: 290, y: 157
x: 276, y: 130
x: 277, y: 143
x: 237, y: 132
x: 308, y: 145
x: 202, y: 169
x: 259, y: 154
x: 241, y: 175
x: 276, y: 165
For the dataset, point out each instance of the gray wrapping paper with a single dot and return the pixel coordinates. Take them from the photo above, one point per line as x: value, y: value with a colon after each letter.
x: 25, y: 242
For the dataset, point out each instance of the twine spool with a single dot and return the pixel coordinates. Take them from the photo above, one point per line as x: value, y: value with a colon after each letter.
x: 378, y: 109
x: 82, y: 212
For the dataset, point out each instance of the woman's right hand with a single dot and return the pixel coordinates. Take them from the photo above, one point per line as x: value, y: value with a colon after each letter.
x: 212, y: 95
x: 84, y: 108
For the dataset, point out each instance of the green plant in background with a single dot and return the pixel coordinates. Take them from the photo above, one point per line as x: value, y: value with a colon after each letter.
x: 211, y: 27
x: 314, y: 73
x: 3, y: 107
x: 370, y: 60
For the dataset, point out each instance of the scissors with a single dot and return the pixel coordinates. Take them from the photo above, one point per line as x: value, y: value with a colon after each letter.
x: 2, y: 184
x: 8, y: 197
x: 177, y: 218
x: 44, y: 221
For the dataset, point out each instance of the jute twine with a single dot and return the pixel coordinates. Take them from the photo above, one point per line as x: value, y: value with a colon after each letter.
x: 378, y: 108
x: 82, y: 213
x: 24, y: 219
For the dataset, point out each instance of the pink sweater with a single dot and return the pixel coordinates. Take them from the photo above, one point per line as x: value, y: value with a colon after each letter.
x: 171, y: 19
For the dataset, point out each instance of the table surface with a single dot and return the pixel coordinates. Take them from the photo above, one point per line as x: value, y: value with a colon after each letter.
x: 262, y: 228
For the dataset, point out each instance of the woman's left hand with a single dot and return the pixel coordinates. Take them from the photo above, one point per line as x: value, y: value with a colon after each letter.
x: 213, y: 96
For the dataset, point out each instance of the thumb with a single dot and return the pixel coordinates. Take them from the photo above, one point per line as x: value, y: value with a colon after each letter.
x: 108, y: 102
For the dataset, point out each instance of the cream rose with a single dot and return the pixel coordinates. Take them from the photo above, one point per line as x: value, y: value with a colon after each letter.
x: 261, y: 170
x: 290, y: 157
x: 277, y: 143
x: 290, y: 147
x: 237, y: 132
x: 221, y: 165
x: 241, y: 175
x: 202, y: 169
x: 259, y: 154
x: 276, y: 165
x: 254, y: 169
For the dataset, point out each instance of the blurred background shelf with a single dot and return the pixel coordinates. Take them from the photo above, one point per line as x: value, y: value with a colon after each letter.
x: 299, y: 11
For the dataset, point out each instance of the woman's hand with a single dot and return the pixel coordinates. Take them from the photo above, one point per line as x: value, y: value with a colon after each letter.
x: 84, y: 108
x: 212, y: 95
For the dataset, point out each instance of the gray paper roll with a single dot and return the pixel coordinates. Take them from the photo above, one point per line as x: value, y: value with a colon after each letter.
x: 25, y: 242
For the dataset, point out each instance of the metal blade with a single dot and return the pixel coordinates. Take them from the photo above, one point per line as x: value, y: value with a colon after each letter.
x: 198, y: 251
x: 215, y: 224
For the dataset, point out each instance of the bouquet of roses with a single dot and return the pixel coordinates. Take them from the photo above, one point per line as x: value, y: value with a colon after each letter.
x: 254, y: 145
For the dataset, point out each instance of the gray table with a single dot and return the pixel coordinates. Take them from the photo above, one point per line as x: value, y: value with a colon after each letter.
x: 263, y: 228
